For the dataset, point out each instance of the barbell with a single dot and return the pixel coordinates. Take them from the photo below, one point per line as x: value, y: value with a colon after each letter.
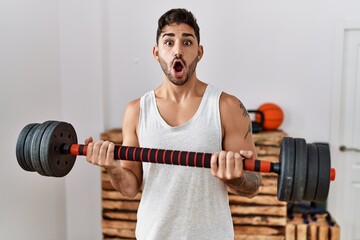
x: 304, y: 170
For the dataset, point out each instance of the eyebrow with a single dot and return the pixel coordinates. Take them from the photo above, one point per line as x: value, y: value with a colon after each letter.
x: 173, y: 35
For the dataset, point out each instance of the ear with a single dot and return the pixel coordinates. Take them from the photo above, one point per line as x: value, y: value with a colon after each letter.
x: 156, y: 52
x: 200, y: 52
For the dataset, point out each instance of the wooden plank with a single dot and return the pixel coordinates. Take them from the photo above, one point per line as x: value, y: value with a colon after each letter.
x: 267, y: 151
x: 274, y: 136
x: 115, y: 195
x: 269, y: 175
x: 290, y: 232
x: 335, y: 232
x: 106, y: 185
x: 312, y: 232
x: 112, y: 233
x: 113, y: 135
x: 269, y: 181
x: 259, y: 210
x: 268, y: 190
x: 257, y: 200
x: 269, y: 136
x: 105, y: 177
x: 269, y: 184
x: 269, y: 178
x: 259, y: 220
x: 120, y: 215
x: 301, y: 232
x: 323, y: 232
x: 120, y: 205
x: 257, y: 237
x: 118, y: 238
x: 269, y: 142
x: 273, y: 159
x: 118, y: 224
x: 259, y: 230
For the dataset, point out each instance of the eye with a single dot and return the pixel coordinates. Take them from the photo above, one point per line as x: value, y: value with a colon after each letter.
x: 169, y: 42
x: 187, y: 42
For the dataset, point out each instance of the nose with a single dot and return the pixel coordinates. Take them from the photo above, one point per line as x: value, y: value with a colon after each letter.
x: 178, y: 51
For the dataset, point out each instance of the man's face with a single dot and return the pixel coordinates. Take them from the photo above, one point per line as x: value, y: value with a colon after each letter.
x: 178, y: 52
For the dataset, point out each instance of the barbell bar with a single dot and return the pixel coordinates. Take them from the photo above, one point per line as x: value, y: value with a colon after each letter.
x: 304, y: 171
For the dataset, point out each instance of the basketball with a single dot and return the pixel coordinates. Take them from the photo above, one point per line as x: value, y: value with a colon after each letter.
x: 273, y: 116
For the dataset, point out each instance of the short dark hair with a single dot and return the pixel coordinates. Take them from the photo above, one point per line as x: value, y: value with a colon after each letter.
x: 178, y: 15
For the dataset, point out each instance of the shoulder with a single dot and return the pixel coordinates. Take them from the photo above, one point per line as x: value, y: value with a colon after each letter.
x: 227, y: 99
x: 132, y: 112
x: 236, y: 124
x: 231, y: 105
x: 134, y: 104
x: 234, y: 116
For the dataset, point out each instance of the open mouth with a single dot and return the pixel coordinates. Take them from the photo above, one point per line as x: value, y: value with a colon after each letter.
x: 178, y: 66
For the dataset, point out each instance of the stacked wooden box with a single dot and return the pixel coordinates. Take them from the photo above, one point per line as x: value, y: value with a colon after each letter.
x: 118, y: 211
x: 262, y: 217
x: 320, y: 229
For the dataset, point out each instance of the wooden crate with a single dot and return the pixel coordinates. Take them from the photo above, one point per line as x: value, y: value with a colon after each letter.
x: 118, y: 211
x: 113, y: 135
x: 296, y: 229
x: 260, y: 218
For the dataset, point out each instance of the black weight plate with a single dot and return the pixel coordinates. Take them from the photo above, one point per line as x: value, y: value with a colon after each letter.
x: 20, y: 145
x: 287, y: 165
x: 323, y: 185
x: 35, y: 148
x: 52, y: 158
x: 312, y: 172
x: 42, y: 160
x: 27, y: 147
x: 299, y: 170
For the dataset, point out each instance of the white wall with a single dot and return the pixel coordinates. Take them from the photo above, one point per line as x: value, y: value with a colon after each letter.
x: 260, y: 51
x: 50, y: 68
x: 31, y: 206
x: 82, y: 105
x: 82, y: 61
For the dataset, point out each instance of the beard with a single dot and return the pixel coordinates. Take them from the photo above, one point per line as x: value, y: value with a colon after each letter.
x: 178, y: 81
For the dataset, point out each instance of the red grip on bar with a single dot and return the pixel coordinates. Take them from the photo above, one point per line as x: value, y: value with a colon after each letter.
x: 77, y: 149
x: 257, y: 165
x: 249, y: 164
x: 265, y: 166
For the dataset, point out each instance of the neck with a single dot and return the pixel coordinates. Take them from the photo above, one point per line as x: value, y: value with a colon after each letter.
x: 192, y: 88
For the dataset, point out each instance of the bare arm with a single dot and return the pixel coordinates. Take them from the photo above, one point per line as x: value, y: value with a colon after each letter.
x: 129, y: 181
x: 237, y: 135
x: 125, y: 176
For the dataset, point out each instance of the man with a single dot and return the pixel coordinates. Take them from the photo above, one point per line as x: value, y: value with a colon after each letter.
x: 186, y: 114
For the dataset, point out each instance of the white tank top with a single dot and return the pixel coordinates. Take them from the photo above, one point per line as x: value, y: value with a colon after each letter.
x: 182, y: 202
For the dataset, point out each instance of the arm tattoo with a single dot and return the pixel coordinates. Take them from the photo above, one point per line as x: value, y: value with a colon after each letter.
x: 245, y: 113
x: 247, y: 186
x: 249, y: 130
